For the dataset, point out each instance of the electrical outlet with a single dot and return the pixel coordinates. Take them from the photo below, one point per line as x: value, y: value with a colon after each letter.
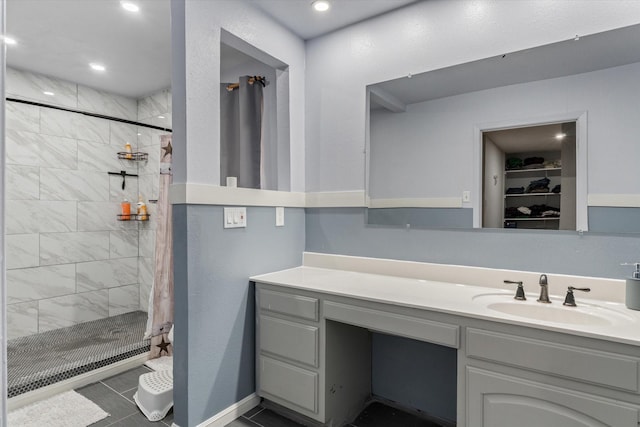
x: 280, y: 216
x: 466, y: 196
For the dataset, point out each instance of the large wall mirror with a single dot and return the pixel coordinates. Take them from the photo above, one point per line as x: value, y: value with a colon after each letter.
x: 535, y: 139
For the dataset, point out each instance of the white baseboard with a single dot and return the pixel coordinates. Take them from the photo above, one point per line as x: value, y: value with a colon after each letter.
x: 76, y: 382
x: 229, y: 414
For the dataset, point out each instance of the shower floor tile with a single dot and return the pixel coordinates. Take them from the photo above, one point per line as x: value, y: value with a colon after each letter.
x: 42, y: 359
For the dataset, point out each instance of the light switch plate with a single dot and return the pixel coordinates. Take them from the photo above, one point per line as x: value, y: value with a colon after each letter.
x: 235, y: 217
x: 279, y: 216
x: 466, y: 196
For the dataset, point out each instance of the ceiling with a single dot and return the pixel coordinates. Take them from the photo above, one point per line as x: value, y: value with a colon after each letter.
x: 59, y: 38
x: 533, y: 138
x: 299, y: 17
x: 594, y: 52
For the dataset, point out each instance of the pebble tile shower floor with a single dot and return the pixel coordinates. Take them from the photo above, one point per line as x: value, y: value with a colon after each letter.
x: 42, y: 359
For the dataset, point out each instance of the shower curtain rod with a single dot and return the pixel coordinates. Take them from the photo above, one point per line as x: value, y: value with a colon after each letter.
x: 252, y: 79
x: 100, y: 116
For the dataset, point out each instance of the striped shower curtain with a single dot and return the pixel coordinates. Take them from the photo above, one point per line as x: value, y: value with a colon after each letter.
x: 161, y: 298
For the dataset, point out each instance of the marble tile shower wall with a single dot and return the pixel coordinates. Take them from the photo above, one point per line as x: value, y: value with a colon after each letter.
x: 68, y: 258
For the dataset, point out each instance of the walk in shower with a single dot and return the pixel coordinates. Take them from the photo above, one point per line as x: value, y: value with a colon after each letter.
x: 78, y: 277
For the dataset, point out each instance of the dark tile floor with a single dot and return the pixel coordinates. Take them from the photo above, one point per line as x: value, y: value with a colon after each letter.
x: 115, y: 396
x: 374, y: 415
x: 380, y: 415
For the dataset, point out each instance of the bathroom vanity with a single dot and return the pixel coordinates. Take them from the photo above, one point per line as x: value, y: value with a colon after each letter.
x: 518, y: 362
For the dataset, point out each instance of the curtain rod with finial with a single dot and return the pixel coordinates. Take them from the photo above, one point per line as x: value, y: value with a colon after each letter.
x: 252, y: 79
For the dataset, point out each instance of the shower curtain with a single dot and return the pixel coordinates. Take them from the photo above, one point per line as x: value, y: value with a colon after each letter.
x: 241, y: 139
x: 161, y: 297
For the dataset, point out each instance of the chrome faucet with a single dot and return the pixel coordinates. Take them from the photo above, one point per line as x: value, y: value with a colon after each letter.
x: 544, y: 289
x: 570, y: 299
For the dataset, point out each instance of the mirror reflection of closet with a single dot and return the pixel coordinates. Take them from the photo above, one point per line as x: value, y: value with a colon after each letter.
x: 529, y: 177
x: 254, y: 117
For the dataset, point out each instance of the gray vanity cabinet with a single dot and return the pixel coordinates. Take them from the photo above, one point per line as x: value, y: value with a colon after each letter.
x: 288, y: 334
x: 567, y: 385
x: 306, y: 363
x: 314, y: 358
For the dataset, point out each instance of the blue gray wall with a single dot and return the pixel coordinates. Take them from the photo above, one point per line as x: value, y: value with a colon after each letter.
x: 407, y: 376
x: 344, y: 231
x: 214, y: 316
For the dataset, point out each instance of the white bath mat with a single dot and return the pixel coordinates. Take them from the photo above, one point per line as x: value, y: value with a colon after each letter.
x: 68, y: 409
x: 161, y: 363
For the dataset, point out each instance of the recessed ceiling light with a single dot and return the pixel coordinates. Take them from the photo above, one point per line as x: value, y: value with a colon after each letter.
x: 48, y: 93
x: 97, y: 67
x: 561, y: 135
x: 161, y: 117
x: 129, y: 7
x: 320, y: 5
x: 9, y: 40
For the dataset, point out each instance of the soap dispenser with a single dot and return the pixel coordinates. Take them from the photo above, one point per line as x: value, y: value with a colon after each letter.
x: 142, y: 210
x: 632, y: 297
x: 127, y: 150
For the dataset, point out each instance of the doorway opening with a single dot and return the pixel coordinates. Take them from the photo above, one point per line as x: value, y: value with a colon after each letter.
x: 529, y: 177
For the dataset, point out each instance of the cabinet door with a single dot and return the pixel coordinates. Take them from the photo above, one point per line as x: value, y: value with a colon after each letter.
x: 497, y: 400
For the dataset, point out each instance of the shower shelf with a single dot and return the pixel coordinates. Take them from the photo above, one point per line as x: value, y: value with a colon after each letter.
x: 137, y: 156
x: 134, y: 217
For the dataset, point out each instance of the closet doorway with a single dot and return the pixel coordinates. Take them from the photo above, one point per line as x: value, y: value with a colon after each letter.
x: 529, y: 177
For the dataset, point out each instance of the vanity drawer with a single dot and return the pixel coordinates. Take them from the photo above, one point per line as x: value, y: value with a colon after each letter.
x: 289, y: 304
x: 593, y: 366
x: 289, y: 340
x: 288, y: 385
x: 395, y: 324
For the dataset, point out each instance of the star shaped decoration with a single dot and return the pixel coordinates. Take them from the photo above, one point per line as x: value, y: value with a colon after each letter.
x: 163, y: 346
x: 168, y: 150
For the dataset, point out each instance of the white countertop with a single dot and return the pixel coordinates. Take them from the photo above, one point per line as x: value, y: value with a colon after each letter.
x: 456, y: 299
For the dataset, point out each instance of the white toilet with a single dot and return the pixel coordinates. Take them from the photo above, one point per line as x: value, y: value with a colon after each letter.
x: 155, y: 392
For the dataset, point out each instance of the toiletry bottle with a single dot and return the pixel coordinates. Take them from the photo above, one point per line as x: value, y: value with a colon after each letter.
x: 632, y: 296
x: 125, y: 207
x: 127, y: 150
x: 142, y: 210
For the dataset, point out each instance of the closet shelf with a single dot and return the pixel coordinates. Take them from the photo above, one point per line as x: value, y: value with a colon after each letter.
x: 531, y: 194
x: 133, y: 217
x: 137, y: 156
x: 537, y: 218
x: 531, y: 170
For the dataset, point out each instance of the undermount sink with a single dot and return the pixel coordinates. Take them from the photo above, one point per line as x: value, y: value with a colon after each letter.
x: 584, y: 314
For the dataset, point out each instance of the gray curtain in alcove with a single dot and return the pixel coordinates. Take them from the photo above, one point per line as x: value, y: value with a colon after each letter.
x: 241, y: 133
